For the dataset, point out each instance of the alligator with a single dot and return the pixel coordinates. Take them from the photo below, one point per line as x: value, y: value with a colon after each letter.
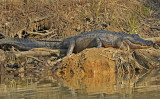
x: 103, y: 38
x: 77, y: 43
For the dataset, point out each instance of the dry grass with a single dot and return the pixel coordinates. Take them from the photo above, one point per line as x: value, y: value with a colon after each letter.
x: 70, y: 17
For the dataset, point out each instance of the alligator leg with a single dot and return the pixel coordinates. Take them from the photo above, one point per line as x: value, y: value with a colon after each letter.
x: 124, y: 45
x: 105, y: 42
x: 99, y: 43
x: 71, y: 47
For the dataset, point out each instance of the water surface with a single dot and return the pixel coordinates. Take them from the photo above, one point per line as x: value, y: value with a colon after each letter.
x: 145, y: 85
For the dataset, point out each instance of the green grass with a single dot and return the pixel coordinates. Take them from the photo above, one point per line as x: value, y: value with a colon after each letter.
x: 133, y: 26
x: 147, y: 11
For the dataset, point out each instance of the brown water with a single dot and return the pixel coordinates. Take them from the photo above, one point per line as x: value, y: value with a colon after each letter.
x: 145, y: 85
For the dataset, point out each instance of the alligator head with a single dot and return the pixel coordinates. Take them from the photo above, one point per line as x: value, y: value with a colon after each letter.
x: 135, y: 42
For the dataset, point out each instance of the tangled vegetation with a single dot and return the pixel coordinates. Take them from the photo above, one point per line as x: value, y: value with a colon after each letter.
x: 62, y: 18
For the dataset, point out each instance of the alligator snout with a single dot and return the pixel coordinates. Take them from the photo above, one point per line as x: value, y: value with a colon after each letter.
x: 149, y: 43
x: 145, y: 42
x: 140, y: 41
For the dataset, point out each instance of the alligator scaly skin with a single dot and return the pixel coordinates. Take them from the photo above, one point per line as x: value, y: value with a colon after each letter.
x: 27, y: 44
x: 77, y: 43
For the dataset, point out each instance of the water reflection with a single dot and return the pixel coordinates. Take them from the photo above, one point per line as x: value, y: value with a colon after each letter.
x: 113, y: 86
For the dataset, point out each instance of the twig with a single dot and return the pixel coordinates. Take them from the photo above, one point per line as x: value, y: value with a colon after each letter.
x: 43, y: 34
x: 155, y: 27
x: 107, y: 57
x: 34, y: 58
x: 41, y: 18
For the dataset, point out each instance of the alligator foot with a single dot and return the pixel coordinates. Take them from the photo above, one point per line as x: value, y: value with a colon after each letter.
x: 71, y: 47
x: 105, y: 42
x: 99, y: 43
x: 125, y: 45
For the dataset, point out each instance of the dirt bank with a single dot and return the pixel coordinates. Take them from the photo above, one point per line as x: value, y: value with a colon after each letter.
x: 107, y: 60
x: 63, y: 18
x: 90, y: 61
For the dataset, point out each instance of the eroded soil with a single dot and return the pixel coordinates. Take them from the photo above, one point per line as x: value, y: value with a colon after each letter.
x: 107, y: 60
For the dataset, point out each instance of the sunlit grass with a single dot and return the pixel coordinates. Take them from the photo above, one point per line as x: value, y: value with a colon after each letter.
x: 70, y: 17
x: 133, y: 26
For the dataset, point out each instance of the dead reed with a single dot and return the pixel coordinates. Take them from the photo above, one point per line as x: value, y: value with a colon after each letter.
x: 70, y: 17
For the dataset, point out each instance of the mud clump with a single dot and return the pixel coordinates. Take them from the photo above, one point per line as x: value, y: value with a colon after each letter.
x: 95, y: 61
x: 89, y: 61
x: 99, y: 70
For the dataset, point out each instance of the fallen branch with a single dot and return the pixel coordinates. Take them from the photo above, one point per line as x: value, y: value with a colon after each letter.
x: 155, y: 27
x: 2, y: 35
x: 41, y: 18
x: 43, y: 34
x: 36, y: 52
x: 154, y: 39
x: 35, y: 58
